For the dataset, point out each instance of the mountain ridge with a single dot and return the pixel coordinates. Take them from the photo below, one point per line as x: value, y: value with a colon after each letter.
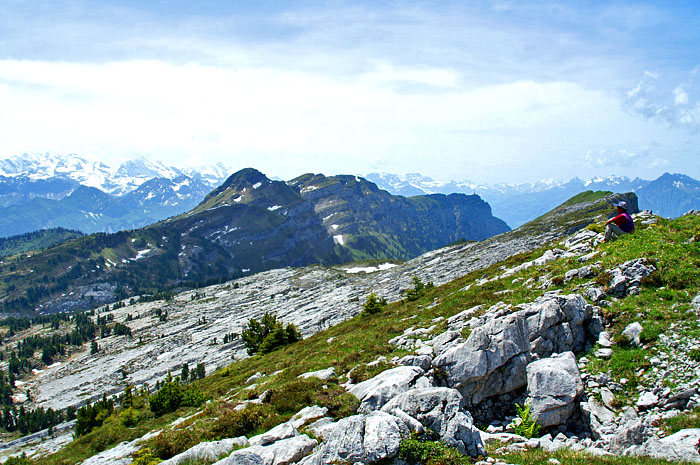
x: 247, y: 225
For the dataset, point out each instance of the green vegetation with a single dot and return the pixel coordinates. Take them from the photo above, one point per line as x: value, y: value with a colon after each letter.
x: 35, y: 241
x: 525, y: 423
x: 373, y: 305
x: 417, y: 450
x: 419, y: 289
x: 92, y: 416
x: 172, y: 395
x: 684, y: 420
x: 268, y: 334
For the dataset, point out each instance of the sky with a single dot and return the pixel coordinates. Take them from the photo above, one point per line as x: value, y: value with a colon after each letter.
x: 485, y: 91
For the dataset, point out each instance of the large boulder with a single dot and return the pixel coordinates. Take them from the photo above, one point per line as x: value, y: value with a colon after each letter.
x: 207, y: 451
x: 493, y: 359
x: 375, y: 392
x: 361, y: 439
x: 440, y: 410
x: 553, y: 386
x: 285, y: 451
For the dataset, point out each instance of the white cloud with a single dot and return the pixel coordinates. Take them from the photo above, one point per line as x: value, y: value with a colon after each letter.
x: 283, y: 121
x: 680, y: 96
x: 675, y: 104
x: 616, y: 158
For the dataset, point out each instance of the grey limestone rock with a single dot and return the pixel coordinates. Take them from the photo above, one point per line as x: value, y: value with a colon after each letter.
x: 306, y: 414
x: 440, y: 410
x: 279, y: 432
x: 553, y: 386
x: 285, y: 451
x: 681, y: 446
x: 361, y: 439
x: 647, y: 400
x: 422, y: 361
x: 458, y: 321
x: 628, y: 435
x: 604, y: 339
x: 242, y: 457
x: 446, y: 340
x: 208, y: 451
x: 594, y: 293
x: 377, y: 391
x: 632, y: 332
x: 493, y: 359
x: 598, y: 416
x: 328, y: 373
x: 696, y: 303
x: 628, y: 276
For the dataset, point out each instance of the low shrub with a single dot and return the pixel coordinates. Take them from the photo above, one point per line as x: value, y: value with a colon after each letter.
x: 234, y: 423
x: 364, y: 372
x: 373, y: 305
x: 172, y: 442
x: 268, y: 334
x: 172, y: 395
x: 416, y: 450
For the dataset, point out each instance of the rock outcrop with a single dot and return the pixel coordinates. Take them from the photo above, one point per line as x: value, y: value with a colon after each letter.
x: 440, y: 410
x: 493, y: 360
x: 360, y: 439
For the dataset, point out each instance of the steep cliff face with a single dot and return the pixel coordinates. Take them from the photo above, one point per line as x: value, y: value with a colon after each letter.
x: 371, y: 223
x: 251, y: 224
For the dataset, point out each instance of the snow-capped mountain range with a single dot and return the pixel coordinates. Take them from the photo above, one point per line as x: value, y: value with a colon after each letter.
x: 117, y: 180
x: 39, y: 191
x: 670, y: 195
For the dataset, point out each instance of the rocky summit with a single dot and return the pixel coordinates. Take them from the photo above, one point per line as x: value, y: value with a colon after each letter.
x: 247, y: 225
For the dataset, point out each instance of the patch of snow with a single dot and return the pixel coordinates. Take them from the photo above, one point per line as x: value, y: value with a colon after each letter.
x: 309, y: 189
x: 164, y: 355
x: 357, y: 179
x: 256, y: 185
x: 370, y: 269
x: 326, y: 217
x: 142, y: 253
x: 245, y: 270
x: 338, y: 239
x: 274, y: 207
x: 335, y: 226
x: 238, y: 199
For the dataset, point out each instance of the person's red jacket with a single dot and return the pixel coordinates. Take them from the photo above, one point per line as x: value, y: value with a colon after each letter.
x: 625, y: 222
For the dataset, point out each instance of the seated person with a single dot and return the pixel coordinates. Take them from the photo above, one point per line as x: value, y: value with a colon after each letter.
x: 620, y: 224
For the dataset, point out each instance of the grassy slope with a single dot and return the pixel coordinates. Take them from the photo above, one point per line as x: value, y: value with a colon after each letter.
x: 363, y: 339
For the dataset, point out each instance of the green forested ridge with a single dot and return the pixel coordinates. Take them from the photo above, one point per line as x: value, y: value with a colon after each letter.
x: 37, y: 240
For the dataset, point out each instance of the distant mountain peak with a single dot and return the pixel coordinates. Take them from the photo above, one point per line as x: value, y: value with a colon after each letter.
x: 116, y: 181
